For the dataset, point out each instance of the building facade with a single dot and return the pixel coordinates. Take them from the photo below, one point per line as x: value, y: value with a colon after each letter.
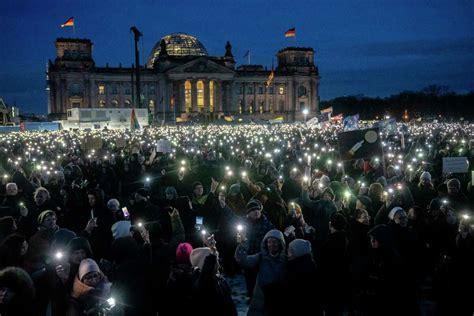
x: 180, y: 80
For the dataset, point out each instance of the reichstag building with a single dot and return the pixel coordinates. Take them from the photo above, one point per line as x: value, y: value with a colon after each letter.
x: 181, y: 80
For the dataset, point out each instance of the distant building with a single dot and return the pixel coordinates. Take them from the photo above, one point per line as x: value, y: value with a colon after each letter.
x: 95, y: 118
x: 181, y: 80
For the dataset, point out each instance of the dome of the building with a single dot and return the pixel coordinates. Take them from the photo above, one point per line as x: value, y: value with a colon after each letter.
x: 178, y: 44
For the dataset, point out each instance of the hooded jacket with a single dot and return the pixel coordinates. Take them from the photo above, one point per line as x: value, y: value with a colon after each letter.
x: 271, y: 269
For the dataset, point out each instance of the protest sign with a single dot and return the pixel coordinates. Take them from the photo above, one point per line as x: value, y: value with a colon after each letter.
x: 163, y: 146
x: 455, y: 165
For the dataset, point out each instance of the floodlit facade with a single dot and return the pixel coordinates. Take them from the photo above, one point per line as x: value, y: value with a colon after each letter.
x: 180, y: 80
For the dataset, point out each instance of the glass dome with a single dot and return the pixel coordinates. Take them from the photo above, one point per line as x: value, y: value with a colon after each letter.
x: 178, y: 44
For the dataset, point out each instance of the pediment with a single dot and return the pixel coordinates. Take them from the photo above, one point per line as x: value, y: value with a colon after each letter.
x: 200, y: 65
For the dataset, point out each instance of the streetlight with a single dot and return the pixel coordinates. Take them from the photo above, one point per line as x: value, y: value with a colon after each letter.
x: 305, y: 113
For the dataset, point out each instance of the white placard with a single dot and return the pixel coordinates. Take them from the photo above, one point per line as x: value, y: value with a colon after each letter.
x: 455, y: 165
x: 163, y: 146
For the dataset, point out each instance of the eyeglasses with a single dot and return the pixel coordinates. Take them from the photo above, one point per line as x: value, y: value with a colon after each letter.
x: 91, y: 275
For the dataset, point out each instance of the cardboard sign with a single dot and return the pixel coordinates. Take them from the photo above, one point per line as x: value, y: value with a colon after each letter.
x: 359, y: 144
x: 163, y: 146
x: 90, y: 143
x: 455, y: 165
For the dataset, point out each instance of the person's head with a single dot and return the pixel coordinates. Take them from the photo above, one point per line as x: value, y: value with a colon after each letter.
x: 454, y: 186
x: 41, y: 195
x: 398, y: 216
x: 381, y: 237
x: 415, y: 213
x: 79, y: 249
x: 198, y: 189
x: 328, y: 195
x: 89, y: 273
x: 337, y: 222
x: 376, y: 192
x: 254, y: 209
x: 234, y: 189
x: 15, y: 247
x: 113, y: 205
x: 171, y: 193
x: 362, y: 216
x: 425, y: 178
x: 47, y: 220
x: 183, y: 253
x: 11, y: 189
x: 295, y: 210
x: 273, y: 242
x: 16, y: 288
x: 298, y: 248
x: 363, y: 203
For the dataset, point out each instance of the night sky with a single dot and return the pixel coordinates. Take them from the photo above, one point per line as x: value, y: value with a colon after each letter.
x: 375, y: 48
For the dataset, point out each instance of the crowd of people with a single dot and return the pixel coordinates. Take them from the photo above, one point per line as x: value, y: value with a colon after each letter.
x: 156, y: 221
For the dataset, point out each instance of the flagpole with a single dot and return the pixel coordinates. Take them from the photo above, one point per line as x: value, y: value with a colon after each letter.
x: 248, y: 57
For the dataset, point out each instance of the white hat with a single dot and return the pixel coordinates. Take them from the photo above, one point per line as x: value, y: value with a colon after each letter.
x: 425, y: 175
x: 113, y: 204
x: 298, y: 248
x: 87, y: 265
x: 394, y: 211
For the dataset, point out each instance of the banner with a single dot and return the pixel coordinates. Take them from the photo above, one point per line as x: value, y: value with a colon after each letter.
x: 351, y: 122
x: 455, y: 165
x: 387, y: 126
x: 358, y: 144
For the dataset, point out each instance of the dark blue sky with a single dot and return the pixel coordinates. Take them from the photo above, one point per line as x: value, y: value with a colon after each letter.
x: 375, y: 48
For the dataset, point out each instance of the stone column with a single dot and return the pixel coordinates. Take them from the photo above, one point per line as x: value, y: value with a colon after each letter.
x: 206, y: 84
x: 181, y: 98
x: 194, y: 96
x: 218, y: 100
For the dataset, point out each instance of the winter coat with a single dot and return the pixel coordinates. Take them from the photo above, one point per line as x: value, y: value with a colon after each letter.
x: 179, y: 291
x: 84, y: 298
x: 270, y: 276
x: 211, y: 290
x: 256, y: 232
x: 317, y: 215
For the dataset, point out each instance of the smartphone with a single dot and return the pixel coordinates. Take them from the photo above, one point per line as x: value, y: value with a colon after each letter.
x: 199, y: 220
x: 125, y: 212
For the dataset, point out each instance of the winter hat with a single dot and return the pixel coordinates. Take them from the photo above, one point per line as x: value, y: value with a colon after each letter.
x: 298, y: 248
x: 62, y: 237
x: 383, y: 234
x: 394, y: 211
x: 234, y: 189
x: 43, y: 216
x: 121, y: 229
x: 325, y: 181
x: 382, y: 180
x: 329, y: 191
x: 425, y: 175
x: 198, y: 255
x: 366, y: 201
x: 183, y: 253
x: 254, y: 205
x: 87, y: 265
x: 78, y: 243
x: 338, y: 221
x: 113, y: 204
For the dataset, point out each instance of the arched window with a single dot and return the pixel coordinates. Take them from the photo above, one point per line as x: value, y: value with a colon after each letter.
x: 200, y: 95
x: 101, y: 103
x: 281, y: 106
x: 211, y: 96
x: 128, y: 103
x: 115, y: 103
x: 187, y: 96
x: 151, y: 105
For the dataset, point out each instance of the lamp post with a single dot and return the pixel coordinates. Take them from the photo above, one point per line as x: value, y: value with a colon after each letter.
x: 305, y: 113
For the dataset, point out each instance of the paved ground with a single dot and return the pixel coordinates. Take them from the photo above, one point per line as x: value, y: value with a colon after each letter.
x: 239, y: 293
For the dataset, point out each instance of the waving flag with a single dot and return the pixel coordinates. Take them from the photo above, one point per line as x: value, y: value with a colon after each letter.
x: 69, y: 22
x: 327, y: 110
x: 134, y: 124
x: 291, y: 32
x: 351, y: 122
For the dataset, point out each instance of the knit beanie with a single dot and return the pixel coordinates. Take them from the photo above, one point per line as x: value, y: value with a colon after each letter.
x: 394, y: 211
x: 254, y: 205
x: 78, y: 243
x: 121, y: 229
x: 87, y: 265
x: 425, y: 175
x: 298, y: 248
x: 113, y: 204
x: 198, y: 255
x: 43, y: 216
x: 183, y: 253
x: 234, y: 189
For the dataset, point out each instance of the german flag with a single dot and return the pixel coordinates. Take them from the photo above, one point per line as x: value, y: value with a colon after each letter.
x: 69, y: 22
x: 291, y: 32
x: 270, y: 79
